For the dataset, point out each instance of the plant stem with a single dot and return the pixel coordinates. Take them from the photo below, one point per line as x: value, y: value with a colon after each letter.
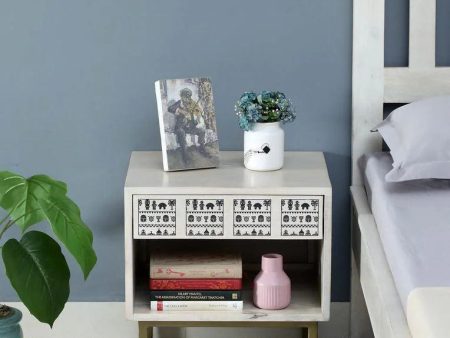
x: 11, y: 222
x: 4, y: 219
x: 6, y: 227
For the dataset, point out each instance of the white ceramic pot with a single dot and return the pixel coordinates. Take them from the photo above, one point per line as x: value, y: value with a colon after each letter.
x: 264, y: 147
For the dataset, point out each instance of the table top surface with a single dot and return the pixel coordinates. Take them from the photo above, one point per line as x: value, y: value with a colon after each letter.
x: 301, y: 169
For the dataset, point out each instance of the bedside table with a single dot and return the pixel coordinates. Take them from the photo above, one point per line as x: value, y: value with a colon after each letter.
x: 286, y: 211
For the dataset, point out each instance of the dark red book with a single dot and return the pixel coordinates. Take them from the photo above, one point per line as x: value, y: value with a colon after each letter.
x: 195, y: 284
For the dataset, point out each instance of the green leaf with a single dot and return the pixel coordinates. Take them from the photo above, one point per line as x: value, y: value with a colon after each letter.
x: 64, y: 217
x: 39, y: 273
x: 19, y: 196
x: 29, y: 201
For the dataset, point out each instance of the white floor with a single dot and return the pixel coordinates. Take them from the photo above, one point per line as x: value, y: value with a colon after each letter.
x: 100, y: 320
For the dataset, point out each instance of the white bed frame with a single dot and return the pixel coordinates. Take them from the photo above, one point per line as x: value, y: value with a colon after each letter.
x: 374, y: 85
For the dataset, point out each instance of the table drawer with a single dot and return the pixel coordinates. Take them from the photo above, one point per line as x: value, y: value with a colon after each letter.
x: 228, y: 216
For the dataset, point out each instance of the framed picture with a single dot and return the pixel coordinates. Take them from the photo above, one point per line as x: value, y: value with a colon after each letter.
x: 187, y: 123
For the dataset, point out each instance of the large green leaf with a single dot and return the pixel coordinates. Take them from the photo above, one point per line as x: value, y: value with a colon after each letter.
x: 19, y: 196
x: 40, y: 197
x: 39, y: 273
x: 64, y: 217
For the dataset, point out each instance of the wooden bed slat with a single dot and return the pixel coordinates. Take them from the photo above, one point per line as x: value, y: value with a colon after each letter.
x: 383, y: 303
x: 368, y: 64
x: 422, y: 34
x: 403, y: 85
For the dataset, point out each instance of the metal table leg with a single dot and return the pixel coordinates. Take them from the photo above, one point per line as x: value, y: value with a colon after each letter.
x: 145, y: 330
x: 310, y: 330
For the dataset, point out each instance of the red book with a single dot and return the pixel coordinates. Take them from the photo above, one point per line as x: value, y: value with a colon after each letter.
x: 195, y: 284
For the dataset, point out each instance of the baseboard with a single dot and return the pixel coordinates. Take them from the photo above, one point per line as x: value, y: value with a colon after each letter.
x: 339, y: 324
x: 99, y: 320
x: 81, y: 319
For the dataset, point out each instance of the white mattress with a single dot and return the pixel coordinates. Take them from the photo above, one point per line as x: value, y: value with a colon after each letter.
x: 413, y: 220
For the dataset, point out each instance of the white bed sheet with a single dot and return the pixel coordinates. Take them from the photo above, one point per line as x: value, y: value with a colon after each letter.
x: 413, y: 220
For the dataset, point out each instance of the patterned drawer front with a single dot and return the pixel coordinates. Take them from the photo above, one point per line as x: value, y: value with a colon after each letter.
x: 228, y: 216
x: 301, y: 216
x: 204, y: 217
x: 252, y: 217
x: 156, y: 217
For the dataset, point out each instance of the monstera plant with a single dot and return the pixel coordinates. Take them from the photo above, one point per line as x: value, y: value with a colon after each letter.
x: 34, y: 263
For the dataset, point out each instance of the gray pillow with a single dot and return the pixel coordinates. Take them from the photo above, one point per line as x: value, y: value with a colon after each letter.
x: 418, y: 135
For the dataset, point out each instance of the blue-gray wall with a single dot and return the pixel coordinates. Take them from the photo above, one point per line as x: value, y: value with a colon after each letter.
x: 76, y: 96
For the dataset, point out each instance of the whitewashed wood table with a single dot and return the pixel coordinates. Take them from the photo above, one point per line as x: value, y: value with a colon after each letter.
x: 286, y: 211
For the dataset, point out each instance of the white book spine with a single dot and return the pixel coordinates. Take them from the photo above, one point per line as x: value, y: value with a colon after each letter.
x: 160, y: 305
x: 161, y: 125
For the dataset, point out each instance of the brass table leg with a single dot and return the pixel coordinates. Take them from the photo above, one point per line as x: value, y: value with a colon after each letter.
x: 145, y: 331
x: 310, y: 331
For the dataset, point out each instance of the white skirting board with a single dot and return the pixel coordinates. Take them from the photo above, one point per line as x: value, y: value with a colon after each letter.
x: 99, y: 320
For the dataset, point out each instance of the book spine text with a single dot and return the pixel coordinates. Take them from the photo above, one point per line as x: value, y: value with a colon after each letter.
x: 196, y: 305
x: 195, y: 295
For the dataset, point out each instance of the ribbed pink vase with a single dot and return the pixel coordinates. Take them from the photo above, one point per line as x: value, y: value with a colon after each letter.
x: 272, y: 287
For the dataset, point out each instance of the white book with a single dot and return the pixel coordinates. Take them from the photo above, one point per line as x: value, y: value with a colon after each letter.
x: 226, y: 305
x: 187, y: 123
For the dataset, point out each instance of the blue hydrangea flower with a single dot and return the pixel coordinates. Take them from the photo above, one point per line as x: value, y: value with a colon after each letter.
x: 253, y: 113
x: 268, y: 106
x: 246, y: 99
x: 283, y: 104
x: 243, y: 123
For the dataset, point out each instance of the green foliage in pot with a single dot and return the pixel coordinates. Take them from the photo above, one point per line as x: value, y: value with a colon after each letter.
x: 34, y: 264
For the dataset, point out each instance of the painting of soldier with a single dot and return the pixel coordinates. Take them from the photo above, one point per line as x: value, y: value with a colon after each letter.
x: 187, y: 123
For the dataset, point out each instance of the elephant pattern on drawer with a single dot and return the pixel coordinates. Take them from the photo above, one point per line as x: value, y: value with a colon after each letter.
x: 204, y: 217
x: 300, y: 217
x: 156, y: 217
x: 251, y: 217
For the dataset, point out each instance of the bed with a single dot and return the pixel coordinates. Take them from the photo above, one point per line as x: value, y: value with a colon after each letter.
x: 399, y: 288
x: 412, y: 221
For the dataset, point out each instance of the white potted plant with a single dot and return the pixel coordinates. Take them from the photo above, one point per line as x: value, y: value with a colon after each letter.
x: 260, y: 116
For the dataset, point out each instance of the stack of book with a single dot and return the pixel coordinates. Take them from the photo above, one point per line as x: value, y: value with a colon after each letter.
x: 195, y: 281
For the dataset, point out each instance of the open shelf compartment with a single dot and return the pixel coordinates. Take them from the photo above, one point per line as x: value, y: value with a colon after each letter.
x: 301, y: 260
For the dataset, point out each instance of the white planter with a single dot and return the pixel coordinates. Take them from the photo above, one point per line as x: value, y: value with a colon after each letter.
x: 264, y: 147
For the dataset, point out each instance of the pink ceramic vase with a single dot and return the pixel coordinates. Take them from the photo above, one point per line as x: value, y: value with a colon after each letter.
x: 272, y: 287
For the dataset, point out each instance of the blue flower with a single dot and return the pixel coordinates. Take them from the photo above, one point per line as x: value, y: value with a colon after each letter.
x: 280, y: 95
x: 243, y: 123
x: 253, y: 113
x: 250, y: 96
x: 283, y: 104
x: 268, y: 106
x: 246, y: 99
